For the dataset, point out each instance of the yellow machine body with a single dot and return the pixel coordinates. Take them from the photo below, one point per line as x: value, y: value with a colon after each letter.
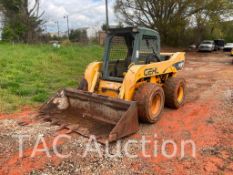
x: 136, y: 75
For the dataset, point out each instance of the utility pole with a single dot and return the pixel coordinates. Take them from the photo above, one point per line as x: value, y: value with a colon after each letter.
x: 58, y: 29
x: 68, y: 27
x: 107, y: 19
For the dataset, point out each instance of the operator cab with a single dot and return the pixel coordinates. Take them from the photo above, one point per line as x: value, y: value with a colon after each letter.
x: 120, y: 53
x: 127, y: 46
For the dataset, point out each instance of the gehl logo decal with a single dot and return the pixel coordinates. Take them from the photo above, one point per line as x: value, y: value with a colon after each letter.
x: 150, y: 72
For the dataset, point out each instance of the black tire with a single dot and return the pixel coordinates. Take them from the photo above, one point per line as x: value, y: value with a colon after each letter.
x: 83, y: 85
x: 151, y: 99
x: 175, y: 92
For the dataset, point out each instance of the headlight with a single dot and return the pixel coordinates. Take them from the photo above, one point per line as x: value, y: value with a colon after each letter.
x: 180, y: 65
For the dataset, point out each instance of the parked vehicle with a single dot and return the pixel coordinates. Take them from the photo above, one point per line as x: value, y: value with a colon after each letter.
x: 228, y: 47
x: 219, y: 44
x: 207, y: 45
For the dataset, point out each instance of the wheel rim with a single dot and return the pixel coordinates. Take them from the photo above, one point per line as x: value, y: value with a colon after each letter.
x: 156, y: 105
x: 180, y: 94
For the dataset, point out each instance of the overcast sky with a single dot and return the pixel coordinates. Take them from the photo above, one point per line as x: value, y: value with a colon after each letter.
x: 82, y: 13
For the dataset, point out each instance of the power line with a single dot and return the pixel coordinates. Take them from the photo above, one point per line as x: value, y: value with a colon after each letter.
x: 68, y: 27
x: 58, y: 29
x: 88, y: 8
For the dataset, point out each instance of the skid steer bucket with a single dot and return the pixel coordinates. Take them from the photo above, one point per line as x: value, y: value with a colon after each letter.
x: 90, y: 114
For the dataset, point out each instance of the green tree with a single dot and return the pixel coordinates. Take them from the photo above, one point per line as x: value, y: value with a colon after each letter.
x: 79, y: 35
x: 21, y: 23
x: 227, y: 27
x: 174, y: 18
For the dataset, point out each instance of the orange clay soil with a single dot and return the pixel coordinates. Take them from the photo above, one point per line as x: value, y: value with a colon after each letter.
x: 25, y: 116
x: 16, y: 165
x: 206, y: 118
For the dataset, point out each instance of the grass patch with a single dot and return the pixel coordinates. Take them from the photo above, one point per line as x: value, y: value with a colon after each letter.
x: 30, y: 74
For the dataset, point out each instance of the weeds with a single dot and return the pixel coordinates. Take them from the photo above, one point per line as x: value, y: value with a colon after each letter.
x: 29, y: 74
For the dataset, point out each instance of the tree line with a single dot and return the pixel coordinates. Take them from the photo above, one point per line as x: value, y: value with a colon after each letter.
x: 23, y: 21
x: 180, y: 22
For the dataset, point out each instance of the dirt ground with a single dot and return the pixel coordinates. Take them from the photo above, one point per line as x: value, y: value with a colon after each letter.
x: 206, y: 118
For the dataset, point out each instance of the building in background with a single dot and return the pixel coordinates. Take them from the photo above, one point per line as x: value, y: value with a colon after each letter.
x: 102, y: 36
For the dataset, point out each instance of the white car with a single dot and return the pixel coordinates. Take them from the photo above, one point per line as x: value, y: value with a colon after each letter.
x: 207, y: 45
x: 228, y: 47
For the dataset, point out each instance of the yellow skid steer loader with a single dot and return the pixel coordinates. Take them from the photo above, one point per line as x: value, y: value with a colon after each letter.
x: 133, y: 83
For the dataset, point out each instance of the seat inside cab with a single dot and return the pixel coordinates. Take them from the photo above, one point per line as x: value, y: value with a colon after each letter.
x: 120, y: 56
